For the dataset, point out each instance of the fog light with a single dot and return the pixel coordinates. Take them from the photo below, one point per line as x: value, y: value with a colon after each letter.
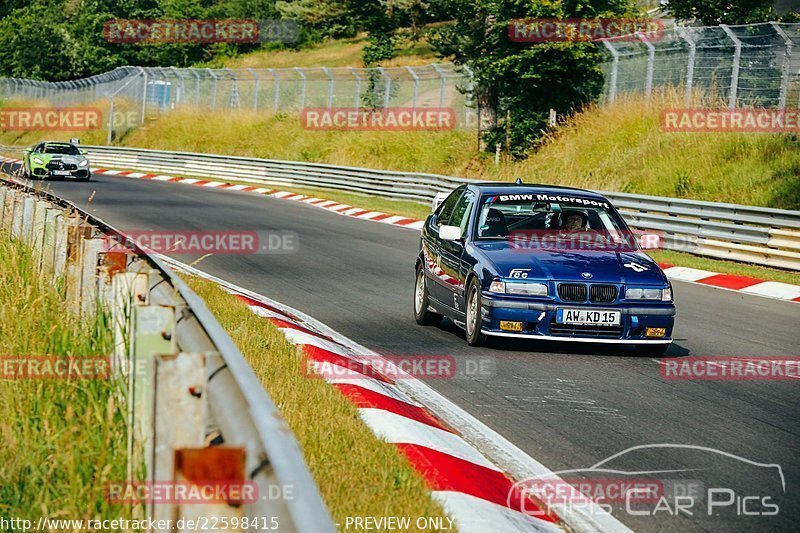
x: 508, y: 325
x: 655, y: 332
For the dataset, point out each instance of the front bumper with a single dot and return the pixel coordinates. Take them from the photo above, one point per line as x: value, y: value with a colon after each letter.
x: 538, y: 320
x: 79, y: 173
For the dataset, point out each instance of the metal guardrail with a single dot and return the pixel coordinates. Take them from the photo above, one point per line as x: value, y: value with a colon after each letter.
x: 735, y: 232
x: 182, y: 341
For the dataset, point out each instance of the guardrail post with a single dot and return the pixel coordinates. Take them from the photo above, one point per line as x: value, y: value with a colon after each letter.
x: 37, y: 236
x: 151, y: 335
x: 612, y: 83
x: 786, y: 67
x: 16, y: 215
x: 77, y: 231
x: 737, y: 57
x: 28, y: 207
x: 179, y: 398
x: 90, y: 277
x: 52, y: 218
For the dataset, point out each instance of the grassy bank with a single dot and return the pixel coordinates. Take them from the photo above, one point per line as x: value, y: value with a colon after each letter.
x: 618, y: 147
x: 358, y: 475
x: 63, y: 440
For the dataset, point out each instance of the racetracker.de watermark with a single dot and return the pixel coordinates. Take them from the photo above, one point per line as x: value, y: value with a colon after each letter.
x: 219, y: 242
x: 731, y: 368
x: 395, y: 367
x: 745, y: 120
x: 150, y: 31
x: 541, y: 30
x: 385, y: 119
x: 182, y: 492
x: 50, y: 118
x: 34, y: 367
x: 583, y: 240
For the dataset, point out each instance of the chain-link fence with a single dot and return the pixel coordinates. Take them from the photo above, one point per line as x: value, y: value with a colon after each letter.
x: 756, y: 65
x: 142, y: 92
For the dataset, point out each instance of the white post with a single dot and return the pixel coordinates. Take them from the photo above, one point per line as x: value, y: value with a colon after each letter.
x: 612, y: 83
x: 737, y: 57
x: 687, y: 97
x: 357, y: 99
x: 787, y: 58
x: 255, y: 87
x: 416, y: 87
x: 302, y: 87
x: 327, y: 72
x: 443, y: 83
x: 651, y: 59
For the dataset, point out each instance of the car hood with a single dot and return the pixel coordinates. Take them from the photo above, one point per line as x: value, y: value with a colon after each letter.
x: 605, y: 266
x: 70, y: 159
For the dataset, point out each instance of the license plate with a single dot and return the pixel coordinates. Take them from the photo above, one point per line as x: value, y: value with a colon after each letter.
x: 588, y: 317
x: 62, y: 173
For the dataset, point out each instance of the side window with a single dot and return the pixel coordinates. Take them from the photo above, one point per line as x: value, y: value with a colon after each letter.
x: 461, y: 213
x: 447, y: 207
x: 37, y: 148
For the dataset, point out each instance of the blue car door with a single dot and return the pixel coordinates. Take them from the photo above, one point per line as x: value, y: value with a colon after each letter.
x: 438, y: 280
x: 452, y: 252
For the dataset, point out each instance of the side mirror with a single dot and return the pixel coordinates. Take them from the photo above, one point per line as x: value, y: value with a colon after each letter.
x: 28, y: 150
x: 438, y: 199
x: 450, y: 233
x: 84, y: 152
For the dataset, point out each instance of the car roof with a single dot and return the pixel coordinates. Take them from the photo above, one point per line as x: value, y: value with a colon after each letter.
x: 515, y: 188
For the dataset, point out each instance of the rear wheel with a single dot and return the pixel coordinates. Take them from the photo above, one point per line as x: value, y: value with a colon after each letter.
x: 475, y: 337
x: 422, y: 315
x: 651, y: 349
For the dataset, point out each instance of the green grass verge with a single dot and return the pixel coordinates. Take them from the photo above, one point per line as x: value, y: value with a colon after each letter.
x: 617, y: 147
x: 358, y: 474
x: 62, y: 440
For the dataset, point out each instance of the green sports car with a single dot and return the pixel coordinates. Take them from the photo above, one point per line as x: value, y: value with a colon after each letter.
x: 55, y: 160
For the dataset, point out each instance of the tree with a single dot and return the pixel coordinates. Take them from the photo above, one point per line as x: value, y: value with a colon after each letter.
x: 523, y: 80
x: 714, y: 12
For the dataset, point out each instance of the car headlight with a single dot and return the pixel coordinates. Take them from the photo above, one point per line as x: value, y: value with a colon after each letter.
x: 520, y: 289
x: 37, y: 160
x: 644, y: 293
x: 83, y: 163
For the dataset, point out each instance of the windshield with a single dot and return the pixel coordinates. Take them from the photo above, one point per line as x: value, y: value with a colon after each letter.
x: 65, y: 149
x: 546, y: 219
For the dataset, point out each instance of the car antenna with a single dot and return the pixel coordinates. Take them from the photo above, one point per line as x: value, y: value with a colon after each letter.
x: 519, y: 181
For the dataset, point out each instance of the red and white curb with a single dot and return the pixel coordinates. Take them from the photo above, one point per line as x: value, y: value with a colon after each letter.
x: 477, y: 494
x: 330, y: 205
x: 744, y: 284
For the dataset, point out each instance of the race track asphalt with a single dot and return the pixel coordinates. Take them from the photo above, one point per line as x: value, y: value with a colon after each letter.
x: 567, y: 406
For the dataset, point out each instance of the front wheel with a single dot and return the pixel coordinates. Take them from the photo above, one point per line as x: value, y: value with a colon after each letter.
x: 422, y: 315
x: 475, y: 337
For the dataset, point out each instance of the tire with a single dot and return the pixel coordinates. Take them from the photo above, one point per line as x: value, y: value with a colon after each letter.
x: 473, y: 324
x: 422, y: 315
x: 651, y: 349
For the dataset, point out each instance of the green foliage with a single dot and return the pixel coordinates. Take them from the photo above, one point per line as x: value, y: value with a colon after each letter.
x: 524, y: 80
x: 713, y: 12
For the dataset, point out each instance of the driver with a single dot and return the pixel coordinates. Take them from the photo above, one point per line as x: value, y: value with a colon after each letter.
x: 574, y: 221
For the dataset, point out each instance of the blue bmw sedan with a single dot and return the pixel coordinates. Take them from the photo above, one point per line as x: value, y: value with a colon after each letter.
x: 540, y: 262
